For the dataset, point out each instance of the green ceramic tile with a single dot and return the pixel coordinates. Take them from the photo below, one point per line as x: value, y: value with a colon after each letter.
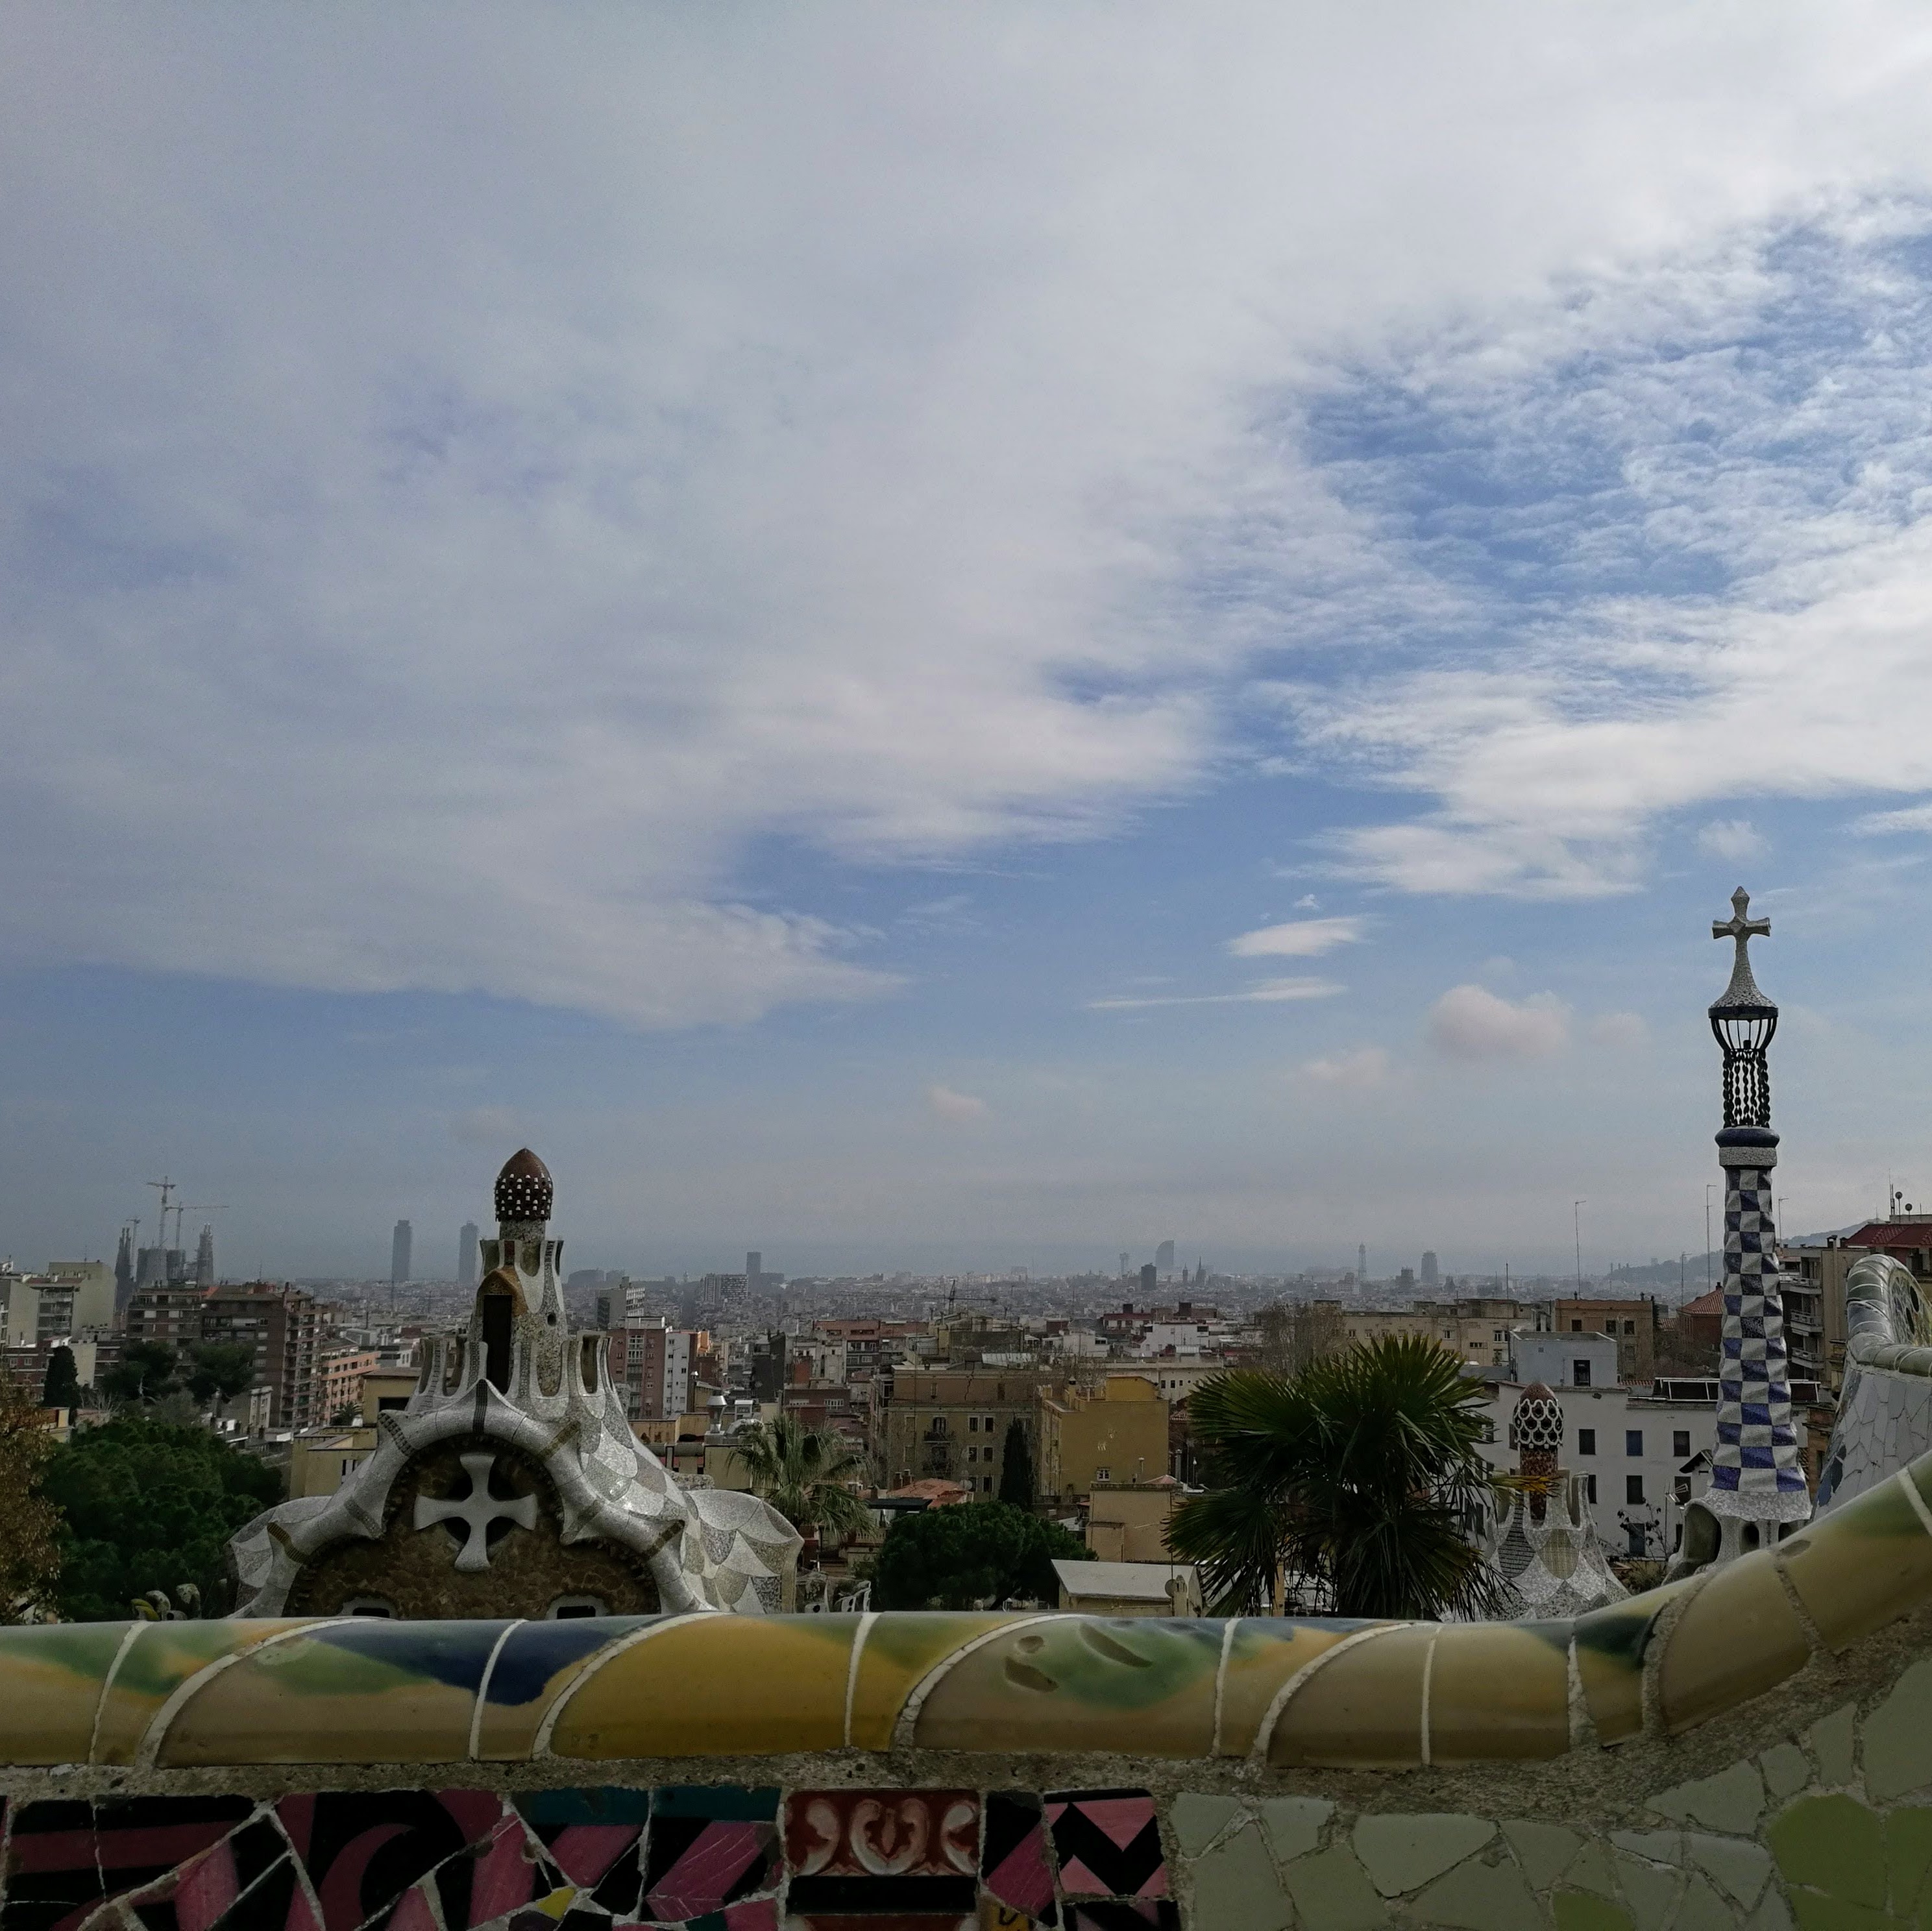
x: 1545, y: 1851
x: 1480, y: 1897
x: 1403, y: 1851
x: 1703, y: 1910
x: 1786, y: 1769
x: 1908, y: 1856
x: 1833, y: 1844
x: 1742, y: 1869
x: 1577, y: 1910
x: 1293, y: 1824
x: 1332, y: 1893
x: 1649, y: 1889
x: 1898, y: 1737
x: 1235, y: 1887
x: 1771, y: 1914
x: 1591, y: 1871
x: 1197, y: 1820
x: 1732, y: 1801
x: 1832, y: 1739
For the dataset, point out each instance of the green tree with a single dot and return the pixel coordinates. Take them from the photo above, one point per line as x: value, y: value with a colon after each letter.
x: 970, y: 1555
x: 807, y: 1474
x: 150, y: 1506
x: 220, y: 1370
x: 1361, y: 1474
x: 29, y: 1522
x: 146, y: 1371
x: 1016, y: 1468
x: 62, y: 1388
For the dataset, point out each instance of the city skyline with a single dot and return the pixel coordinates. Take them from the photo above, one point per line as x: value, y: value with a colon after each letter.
x: 919, y: 697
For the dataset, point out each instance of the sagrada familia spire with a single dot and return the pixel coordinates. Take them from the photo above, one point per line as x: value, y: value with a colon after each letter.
x: 1757, y: 1491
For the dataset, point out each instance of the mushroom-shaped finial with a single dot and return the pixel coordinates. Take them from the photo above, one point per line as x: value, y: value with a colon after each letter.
x: 523, y: 1189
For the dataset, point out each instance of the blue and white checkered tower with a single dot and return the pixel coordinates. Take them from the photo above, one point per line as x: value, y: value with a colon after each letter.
x: 1757, y: 1491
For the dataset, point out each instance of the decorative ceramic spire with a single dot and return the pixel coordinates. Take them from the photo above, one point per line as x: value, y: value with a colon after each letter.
x: 1756, y: 1480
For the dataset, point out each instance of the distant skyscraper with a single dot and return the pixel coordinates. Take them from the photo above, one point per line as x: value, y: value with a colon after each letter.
x: 1147, y: 1280
x: 399, y: 1253
x: 204, y: 1258
x: 466, y: 1255
x: 1163, y: 1257
x: 754, y: 1266
x: 1362, y: 1261
x: 1430, y: 1275
x: 1124, y: 1263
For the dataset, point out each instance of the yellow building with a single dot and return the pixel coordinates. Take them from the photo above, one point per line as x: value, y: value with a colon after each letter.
x: 1128, y: 1523
x: 1116, y: 1432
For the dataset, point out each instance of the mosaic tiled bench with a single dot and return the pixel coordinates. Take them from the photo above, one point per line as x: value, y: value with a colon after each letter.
x: 1741, y: 1748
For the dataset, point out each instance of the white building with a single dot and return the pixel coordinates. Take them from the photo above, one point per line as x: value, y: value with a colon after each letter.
x: 1641, y: 1459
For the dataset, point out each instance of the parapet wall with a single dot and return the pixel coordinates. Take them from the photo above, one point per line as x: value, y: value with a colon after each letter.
x: 1885, y: 1407
x: 1751, y: 1746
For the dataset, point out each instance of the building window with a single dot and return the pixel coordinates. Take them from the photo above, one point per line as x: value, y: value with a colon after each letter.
x: 1576, y: 1327
x: 1632, y: 1488
x: 1103, y: 1475
x: 986, y: 1484
x: 1590, y: 1489
x: 973, y: 1453
x: 1629, y: 1327
x: 1680, y: 1441
x: 973, y: 1423
x: 989, y: 1424
x: 1586, y: 1441
x: 1633, y: 1442
x: 1580, y: 1374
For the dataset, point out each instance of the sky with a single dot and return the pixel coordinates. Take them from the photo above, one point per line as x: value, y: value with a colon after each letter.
x: 958, y: 638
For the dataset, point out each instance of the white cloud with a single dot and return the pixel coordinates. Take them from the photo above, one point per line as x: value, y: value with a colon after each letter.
x: 948, y: 1105
x: 1470, y: 1022
x: 1301, y: 938
x: 1731, y: 838
x: 468, y: 493
x: 1627, y: 1031
x: 1911, y: 818
x: 1267, y: 992
x: 1358, y: 1072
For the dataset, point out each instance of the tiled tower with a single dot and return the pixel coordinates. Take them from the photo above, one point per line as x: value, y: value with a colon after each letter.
x: 1757, y: 1491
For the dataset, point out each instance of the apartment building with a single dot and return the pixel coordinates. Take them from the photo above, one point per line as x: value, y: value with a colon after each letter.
x: 1478, y: 1329
x: 1116, y: 1432
x: 1634, y: 1325
x: 284, y: 1327
x: 953, y: 1425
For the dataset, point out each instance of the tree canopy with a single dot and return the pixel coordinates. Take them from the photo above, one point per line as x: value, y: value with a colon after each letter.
x: 970, y: 1555
x: 148, y: 1505
x: 806, y: 1474
x: 29, y: 1555
x: 60, y: 1389
x: 150, y: 1372
x: 1360, y: 1475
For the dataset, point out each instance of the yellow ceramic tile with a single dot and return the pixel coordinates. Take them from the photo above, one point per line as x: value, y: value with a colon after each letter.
x: 716, y: 1685
x: 1498, y: 1690
x: 535, y: 1668
x: 1862, y: 1566
x: 1143, y: 1687
x: 1267, y: 1651
x: 163, y: 1656
x: 53, y: 1675
x: 1738, y: 1637
x: 1362, y: 1708
x: 1610, y: 1646
x: 364, y: 1691
x: 901, y: 1650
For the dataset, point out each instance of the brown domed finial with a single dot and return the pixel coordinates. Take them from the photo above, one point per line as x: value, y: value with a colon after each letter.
x: 523, y: 1189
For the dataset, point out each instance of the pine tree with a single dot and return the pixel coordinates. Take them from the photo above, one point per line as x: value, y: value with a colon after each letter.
x: 1016, y: 1468
x: 61, y: 1389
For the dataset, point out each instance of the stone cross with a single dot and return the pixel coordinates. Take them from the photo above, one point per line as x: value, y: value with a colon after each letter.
x: 1742, y: 928
x: 476, y: 1511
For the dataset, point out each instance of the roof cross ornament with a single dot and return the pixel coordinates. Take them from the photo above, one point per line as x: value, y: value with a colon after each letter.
x: 1743, y: 989
x: 478, y: 1512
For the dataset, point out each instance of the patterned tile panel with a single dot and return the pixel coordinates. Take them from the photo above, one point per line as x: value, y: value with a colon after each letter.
x: 1107, y: 1843
x: 882, y: 1833
x: 708, y: 1847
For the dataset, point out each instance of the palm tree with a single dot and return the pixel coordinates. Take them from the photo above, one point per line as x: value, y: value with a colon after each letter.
x: 1360, y: 1473
x: 806, y: 1474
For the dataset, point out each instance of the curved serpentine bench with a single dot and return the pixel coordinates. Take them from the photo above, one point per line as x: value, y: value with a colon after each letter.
x: 1709, y: 1712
